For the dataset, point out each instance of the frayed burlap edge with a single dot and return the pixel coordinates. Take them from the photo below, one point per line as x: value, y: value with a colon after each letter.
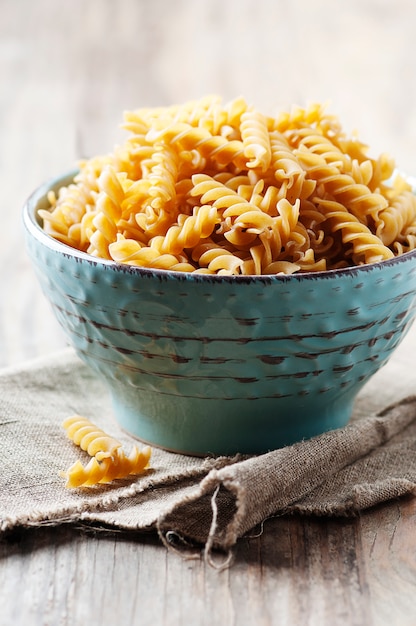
x: 287, y: 478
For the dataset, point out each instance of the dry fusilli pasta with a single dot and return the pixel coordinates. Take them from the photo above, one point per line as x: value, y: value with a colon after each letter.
x: 108, y: 459
x: 219, y: 188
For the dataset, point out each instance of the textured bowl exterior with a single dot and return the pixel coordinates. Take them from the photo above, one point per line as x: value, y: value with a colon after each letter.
x: 218, y: 365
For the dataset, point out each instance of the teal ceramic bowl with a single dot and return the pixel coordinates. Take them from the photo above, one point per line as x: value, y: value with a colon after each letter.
x: 218, y: 365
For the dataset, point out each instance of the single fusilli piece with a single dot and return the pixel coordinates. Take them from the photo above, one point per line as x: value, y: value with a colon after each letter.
x: 190, y: 229
x: 356, y: 197
x: 163, y: 178
x: 131, y: 252
x: 214, y: 258
x: 317, y: 142
x: 393, y: 221
x: 287, y: 170
x: 214, y: 147
x: 108, y: 459
x: 366, y: 247
x: 221, y: 196
x: 256, y: 140
x: 108, y: 211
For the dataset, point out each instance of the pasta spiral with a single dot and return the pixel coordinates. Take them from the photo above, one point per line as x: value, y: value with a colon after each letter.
x: 393, y: 221
x: 287, y: 169
x: 108, y: 459
x: 193, y: 228
x: 213, y: 147
x: 366, y: 247
x: 221, y: 196
x: 256, y: 140
x: 358, y: 198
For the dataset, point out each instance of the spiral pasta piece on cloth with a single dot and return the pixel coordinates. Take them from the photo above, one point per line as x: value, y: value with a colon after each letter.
x: 108, y: 459
x: 224, y: 188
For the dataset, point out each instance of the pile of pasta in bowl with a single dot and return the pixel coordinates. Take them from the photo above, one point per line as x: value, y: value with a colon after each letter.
x: 217, y: 188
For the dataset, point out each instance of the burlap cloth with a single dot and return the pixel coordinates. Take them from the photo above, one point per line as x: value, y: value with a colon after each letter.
x: 208, y: 503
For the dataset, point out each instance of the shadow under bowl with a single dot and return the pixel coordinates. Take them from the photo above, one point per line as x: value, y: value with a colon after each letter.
x: 203, y: 364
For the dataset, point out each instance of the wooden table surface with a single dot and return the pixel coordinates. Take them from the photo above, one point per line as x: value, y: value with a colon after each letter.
x: 67, y: 72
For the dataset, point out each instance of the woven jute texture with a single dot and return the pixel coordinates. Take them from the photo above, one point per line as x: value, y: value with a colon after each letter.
x: 209, y: 502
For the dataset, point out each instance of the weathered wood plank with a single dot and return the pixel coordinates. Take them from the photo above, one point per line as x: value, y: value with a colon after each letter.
x: 356, y: 571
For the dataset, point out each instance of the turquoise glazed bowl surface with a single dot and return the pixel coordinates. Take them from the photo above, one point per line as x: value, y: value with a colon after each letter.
x: 217, y: 365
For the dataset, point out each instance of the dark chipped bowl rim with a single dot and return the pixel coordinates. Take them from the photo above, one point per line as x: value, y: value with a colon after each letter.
x: 34, y: 228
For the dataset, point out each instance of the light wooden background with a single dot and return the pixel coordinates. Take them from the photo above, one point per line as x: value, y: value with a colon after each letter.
x: 68, y: 68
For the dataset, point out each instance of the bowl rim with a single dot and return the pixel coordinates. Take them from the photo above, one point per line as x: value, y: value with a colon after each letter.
x: 34, y: 228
